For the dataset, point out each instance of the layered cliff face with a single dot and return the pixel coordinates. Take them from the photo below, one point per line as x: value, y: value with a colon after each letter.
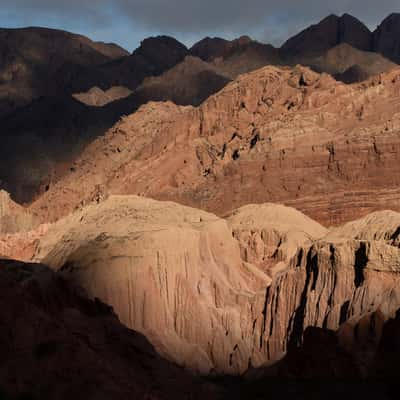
x: 172, y: 273
x: 225, y: 296
x: 275, y: 135
x: 55, y: 343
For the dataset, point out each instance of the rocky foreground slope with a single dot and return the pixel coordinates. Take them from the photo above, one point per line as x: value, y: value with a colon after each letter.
x: 275, y: 135
x: 227, y: 295
x: 57, y: 344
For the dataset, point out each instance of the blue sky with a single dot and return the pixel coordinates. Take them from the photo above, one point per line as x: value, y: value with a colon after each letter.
x: 127, y: 22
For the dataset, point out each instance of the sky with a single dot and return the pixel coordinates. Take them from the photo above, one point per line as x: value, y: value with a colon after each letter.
x: 127, y: 22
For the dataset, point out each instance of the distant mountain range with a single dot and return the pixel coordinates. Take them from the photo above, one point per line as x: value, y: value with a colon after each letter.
x: 58, y: 90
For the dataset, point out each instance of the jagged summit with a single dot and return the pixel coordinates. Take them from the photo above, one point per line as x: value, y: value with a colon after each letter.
x: 386, y: 38
x: 329, y: 32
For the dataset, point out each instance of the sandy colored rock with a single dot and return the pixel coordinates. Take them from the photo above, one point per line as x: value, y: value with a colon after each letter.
x: 98, y: 98
x: 171, y: 272
x: 270, y: 235
x: 223, y: 296
x: 13, y: 217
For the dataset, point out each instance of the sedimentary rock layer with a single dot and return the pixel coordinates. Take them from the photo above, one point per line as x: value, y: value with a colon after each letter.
x: 278, y: 134
x: 227, y: 295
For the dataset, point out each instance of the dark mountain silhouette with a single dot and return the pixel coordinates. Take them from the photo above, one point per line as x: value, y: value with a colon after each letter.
x: 331, y: 31
x: 386, y: 38
x: 31, y: 58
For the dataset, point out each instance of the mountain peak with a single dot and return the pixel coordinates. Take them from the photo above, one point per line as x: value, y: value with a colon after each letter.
x: 329, y: 32
x: 386, y: 38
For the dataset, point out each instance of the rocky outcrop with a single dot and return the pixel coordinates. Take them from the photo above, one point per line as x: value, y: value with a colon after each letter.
x: 13, y: 217
x: 269, y: 235
x: 55, y: 343
x: 172, y: 273
x: 225, y: 296
x: 273, y: 135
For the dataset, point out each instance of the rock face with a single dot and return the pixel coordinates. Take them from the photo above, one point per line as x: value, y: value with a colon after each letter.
x: 55, y: 343
x: 225, y: 296
x: 274, y: 135
x: 172, y: 273
x: 13, y: 217
x: 269, y: 235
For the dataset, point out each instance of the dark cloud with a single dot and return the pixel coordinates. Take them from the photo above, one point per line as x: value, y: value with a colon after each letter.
x: 267, y: 20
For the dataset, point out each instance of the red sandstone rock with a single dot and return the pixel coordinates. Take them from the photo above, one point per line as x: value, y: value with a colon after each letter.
x: 275, y: 135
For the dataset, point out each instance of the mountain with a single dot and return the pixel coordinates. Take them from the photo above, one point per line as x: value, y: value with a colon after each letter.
x: 273, y: 135
x: 31, y: 58
x: 51, y: 130
x: 349, y: 64
x: 330, y: 46
x: 154, y: 56
x: 188, y: 83
x: 386, y: 38
x: 334, y: 30
x: 328, y: 33
x: 235, y: 57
